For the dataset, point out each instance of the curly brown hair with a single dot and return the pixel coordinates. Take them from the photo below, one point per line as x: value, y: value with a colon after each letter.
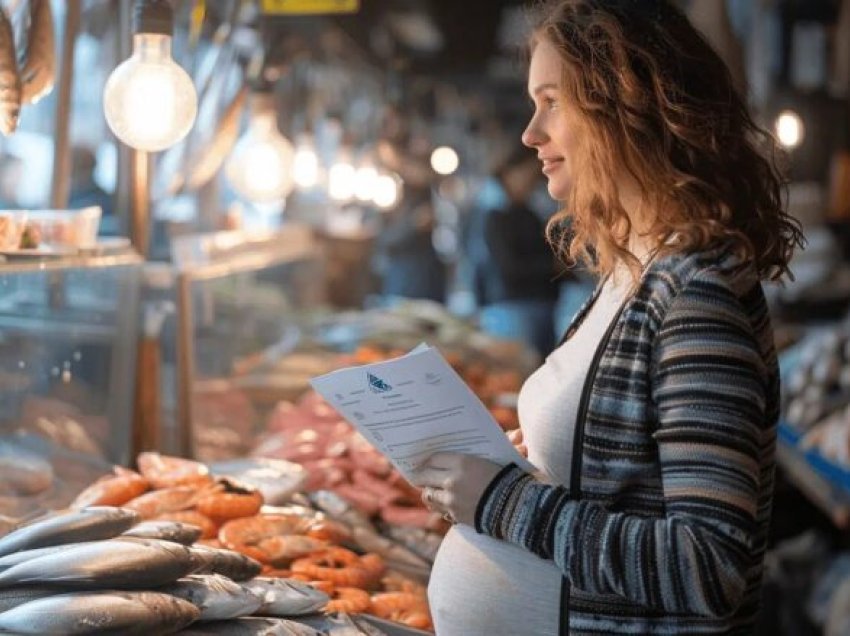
x: 653, y: 99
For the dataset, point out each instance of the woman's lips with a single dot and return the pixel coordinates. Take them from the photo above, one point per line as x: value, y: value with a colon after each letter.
x: 551, y: 164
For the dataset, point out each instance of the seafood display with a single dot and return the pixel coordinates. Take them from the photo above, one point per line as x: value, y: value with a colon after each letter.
x: 85, y: 572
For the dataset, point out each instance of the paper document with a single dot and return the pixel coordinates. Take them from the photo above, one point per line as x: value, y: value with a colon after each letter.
x: 416, y: 405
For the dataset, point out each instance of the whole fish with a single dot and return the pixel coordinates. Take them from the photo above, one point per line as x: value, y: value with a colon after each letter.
x: 252, y: 627
x: 126, y: 564
x: 166, y: 530
x: 26, y: 555
x: 228, y: 563
x: 88, y: 524
x: 10, y: 80
x: 111, y: 612
x: 371, y: 541
x: 216, y: 596
x: 286, y: 597
x: 20, y: 595
x: 339, y: 508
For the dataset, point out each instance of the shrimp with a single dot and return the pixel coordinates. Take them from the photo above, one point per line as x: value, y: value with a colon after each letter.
x: 329, y: 530
x: 282, y: 549
x: 164, y: 471
x: 337, y: 565
x: 374, y: 566
x: 228, y: 500
x: 402, y: 607
x: 350, y: 600
x: 112, y: 490
x: 159, y: 502
x: 245, y: 534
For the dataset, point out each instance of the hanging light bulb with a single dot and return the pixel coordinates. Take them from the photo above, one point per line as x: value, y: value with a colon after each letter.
x: 149, y: 101
x: 365, y: 180
x: 305, y: 169
x: 789, y: 129
x: 261, y: 165
x: 444, y: 160
x: 387, y: 191
x: 342, y: 178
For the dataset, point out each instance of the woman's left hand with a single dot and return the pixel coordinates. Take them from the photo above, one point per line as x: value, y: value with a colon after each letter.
x: 453, y: 484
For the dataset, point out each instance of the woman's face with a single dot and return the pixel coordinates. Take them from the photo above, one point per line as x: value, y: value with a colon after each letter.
x: 549, y: 131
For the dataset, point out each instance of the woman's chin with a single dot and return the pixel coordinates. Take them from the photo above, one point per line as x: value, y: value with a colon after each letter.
x: 558, y: 190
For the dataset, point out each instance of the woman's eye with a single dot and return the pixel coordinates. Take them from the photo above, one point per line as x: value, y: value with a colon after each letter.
x: 551, y: 103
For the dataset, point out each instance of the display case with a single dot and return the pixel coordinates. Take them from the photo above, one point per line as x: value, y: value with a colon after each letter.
x: 68, y: 331
x: 238, y: 300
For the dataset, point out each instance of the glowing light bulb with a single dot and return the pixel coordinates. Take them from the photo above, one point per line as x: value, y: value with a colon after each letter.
x: 149, y: 101
x: 444, y: 160
x: 260, y: 168
x: 789, y: 129
x: 387, y: 191
x: 342, y: 178
x: 365, y: 180
x: 305, y: 170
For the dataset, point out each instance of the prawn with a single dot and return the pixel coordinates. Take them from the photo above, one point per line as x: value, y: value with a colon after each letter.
x: 159, y: 502
x: 112, y: 490
x: 193, y: 518
x: 337, y: 565
x: 282, y: 549
x: 165, y: 471
x: 402, y: 607
x: 245, y: 534
x: 351, y: 600
x: 228, y: 500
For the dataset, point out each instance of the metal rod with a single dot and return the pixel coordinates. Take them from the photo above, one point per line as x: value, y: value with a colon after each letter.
x: 132, y: 190
x: 185, y: 365
x: 60, y: 187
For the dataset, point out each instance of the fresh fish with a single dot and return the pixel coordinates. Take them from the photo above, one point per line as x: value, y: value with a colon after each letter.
x: 339, y: 508
x: 126, y: 564
x: 20, y: 595
x: 217, y: 597
x: 26, y: 555
x: 343, y: 625
x: 124, y: 613
x: 252, y: 627
x: 370, y: 541
x: 167, y: 530
x: 286, y: 597
x: 88, y: 524
x: 228, y: 563
x: 10, y: 80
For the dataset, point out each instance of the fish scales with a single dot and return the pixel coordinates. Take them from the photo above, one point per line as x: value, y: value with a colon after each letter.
x: 126, y: 564
x: 286, y: 597
x: 88, y: 524
x: 106, y: 612
x: 167, y: 530
x: 216, y: 596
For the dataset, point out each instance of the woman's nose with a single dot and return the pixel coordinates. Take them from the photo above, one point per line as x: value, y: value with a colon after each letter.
x: 532, y: 136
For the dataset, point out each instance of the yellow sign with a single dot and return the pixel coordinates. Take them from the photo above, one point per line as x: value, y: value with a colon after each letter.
x: 309, y: 7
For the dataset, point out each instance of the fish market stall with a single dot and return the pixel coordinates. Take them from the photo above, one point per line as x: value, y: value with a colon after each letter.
x: 67, y: 356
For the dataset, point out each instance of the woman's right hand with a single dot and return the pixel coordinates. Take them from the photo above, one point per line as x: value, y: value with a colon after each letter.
x: 516, y: 439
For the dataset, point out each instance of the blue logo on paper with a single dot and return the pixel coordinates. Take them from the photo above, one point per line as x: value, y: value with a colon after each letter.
x: 377, y: 384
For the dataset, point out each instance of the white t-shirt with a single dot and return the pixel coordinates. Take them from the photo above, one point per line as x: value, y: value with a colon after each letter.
x: 480, y: 585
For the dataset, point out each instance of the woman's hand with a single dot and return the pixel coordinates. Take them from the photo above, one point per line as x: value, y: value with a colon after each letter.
x: 453, y: 484
x: 515, y: 436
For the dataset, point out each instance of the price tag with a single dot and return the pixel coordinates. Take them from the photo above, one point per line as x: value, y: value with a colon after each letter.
x: 309, y: 7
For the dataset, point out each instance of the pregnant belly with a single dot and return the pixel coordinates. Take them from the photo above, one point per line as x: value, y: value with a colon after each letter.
x: 481, y: 585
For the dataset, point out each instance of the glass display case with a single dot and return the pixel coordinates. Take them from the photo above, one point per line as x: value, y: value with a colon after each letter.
x: 238, y: 301
x: 68, y: 331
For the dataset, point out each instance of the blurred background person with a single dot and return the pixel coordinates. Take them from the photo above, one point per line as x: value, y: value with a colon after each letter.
x: 515, y: 279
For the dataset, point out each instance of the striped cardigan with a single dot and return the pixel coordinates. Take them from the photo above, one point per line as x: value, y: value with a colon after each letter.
x: 664, y: 528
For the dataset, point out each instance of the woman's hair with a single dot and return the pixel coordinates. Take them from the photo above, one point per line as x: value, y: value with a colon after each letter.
x: 653, y: 99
